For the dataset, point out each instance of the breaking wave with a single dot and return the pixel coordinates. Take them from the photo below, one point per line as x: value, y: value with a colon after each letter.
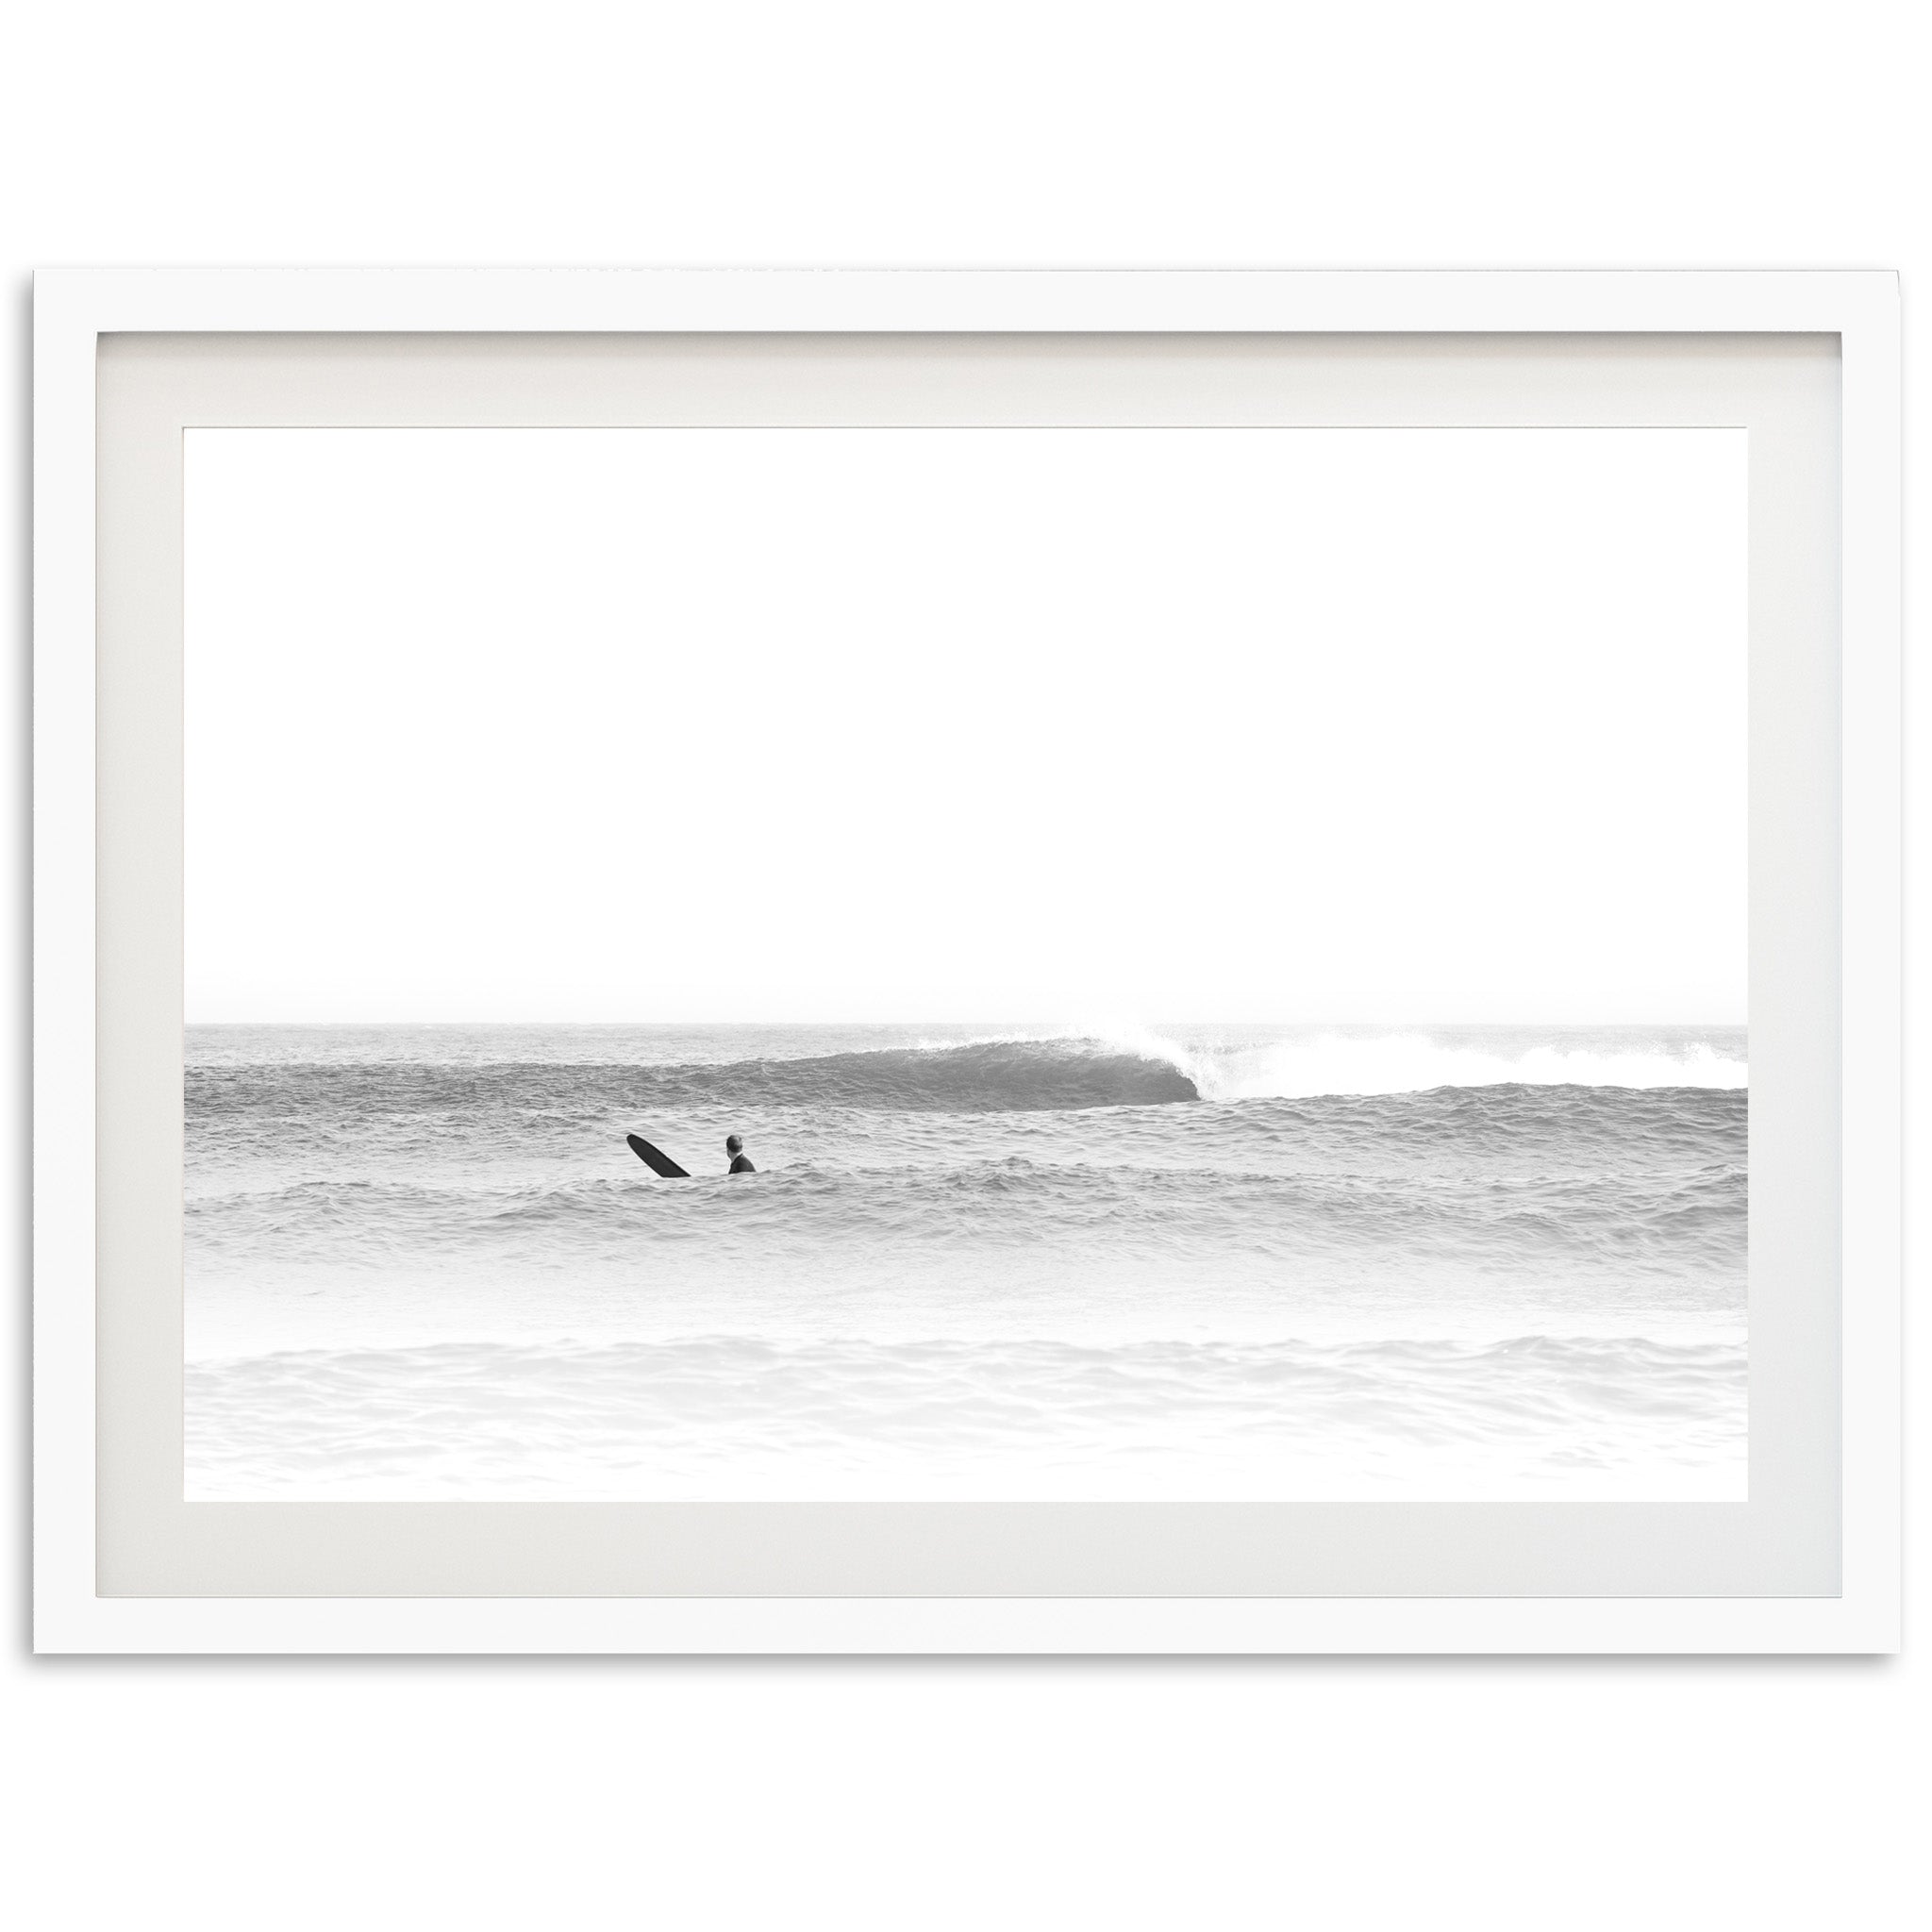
x: 1138, y: 1069
x: 983, y: 1076
x: 1333, y: 1063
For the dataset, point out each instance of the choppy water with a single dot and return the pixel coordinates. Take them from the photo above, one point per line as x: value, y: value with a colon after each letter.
x: 1210, y: 1261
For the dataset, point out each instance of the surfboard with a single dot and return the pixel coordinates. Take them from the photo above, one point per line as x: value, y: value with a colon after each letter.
x: 657, y: 1163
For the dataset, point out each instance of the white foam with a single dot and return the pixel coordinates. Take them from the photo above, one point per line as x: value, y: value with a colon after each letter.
x: 1330, y: 1063
x: 712, y: 1418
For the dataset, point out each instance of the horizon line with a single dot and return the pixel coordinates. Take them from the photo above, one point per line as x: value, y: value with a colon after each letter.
x: 1061, y: 1026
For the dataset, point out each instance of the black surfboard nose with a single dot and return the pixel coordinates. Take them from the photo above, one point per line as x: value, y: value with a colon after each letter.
x: 659, y: 1163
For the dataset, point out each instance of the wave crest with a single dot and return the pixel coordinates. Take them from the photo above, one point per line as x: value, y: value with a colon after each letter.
x: 981, y: 1076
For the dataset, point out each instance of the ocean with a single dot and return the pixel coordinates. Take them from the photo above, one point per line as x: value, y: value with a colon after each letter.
x: 1187, y: 1262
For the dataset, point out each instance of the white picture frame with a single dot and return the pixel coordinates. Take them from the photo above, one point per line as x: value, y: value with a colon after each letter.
x: 80, y: 1045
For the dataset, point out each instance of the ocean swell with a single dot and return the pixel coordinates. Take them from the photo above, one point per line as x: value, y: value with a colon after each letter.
x: 1530, y: 1225
x: 1058, y: 1074
x: 983, y: 1076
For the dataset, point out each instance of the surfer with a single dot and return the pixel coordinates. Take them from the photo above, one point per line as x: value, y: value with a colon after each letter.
x: 734, y: 1145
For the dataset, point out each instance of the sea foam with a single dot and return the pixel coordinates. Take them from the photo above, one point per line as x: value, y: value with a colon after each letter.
x: 1339, y: 1063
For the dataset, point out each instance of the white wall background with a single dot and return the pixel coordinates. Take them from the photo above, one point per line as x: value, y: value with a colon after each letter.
x: 1659, y: 1794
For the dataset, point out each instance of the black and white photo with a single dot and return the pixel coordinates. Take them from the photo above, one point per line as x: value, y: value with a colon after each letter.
x: 1060, y: 962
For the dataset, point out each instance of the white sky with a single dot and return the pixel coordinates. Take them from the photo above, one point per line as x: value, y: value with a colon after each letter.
x: 1093, y: 725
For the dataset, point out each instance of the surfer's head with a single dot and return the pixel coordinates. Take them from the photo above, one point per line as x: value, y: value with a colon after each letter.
x: 734, y: 1143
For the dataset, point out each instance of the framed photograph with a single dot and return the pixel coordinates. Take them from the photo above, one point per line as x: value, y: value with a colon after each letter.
x: 1148, y: 962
